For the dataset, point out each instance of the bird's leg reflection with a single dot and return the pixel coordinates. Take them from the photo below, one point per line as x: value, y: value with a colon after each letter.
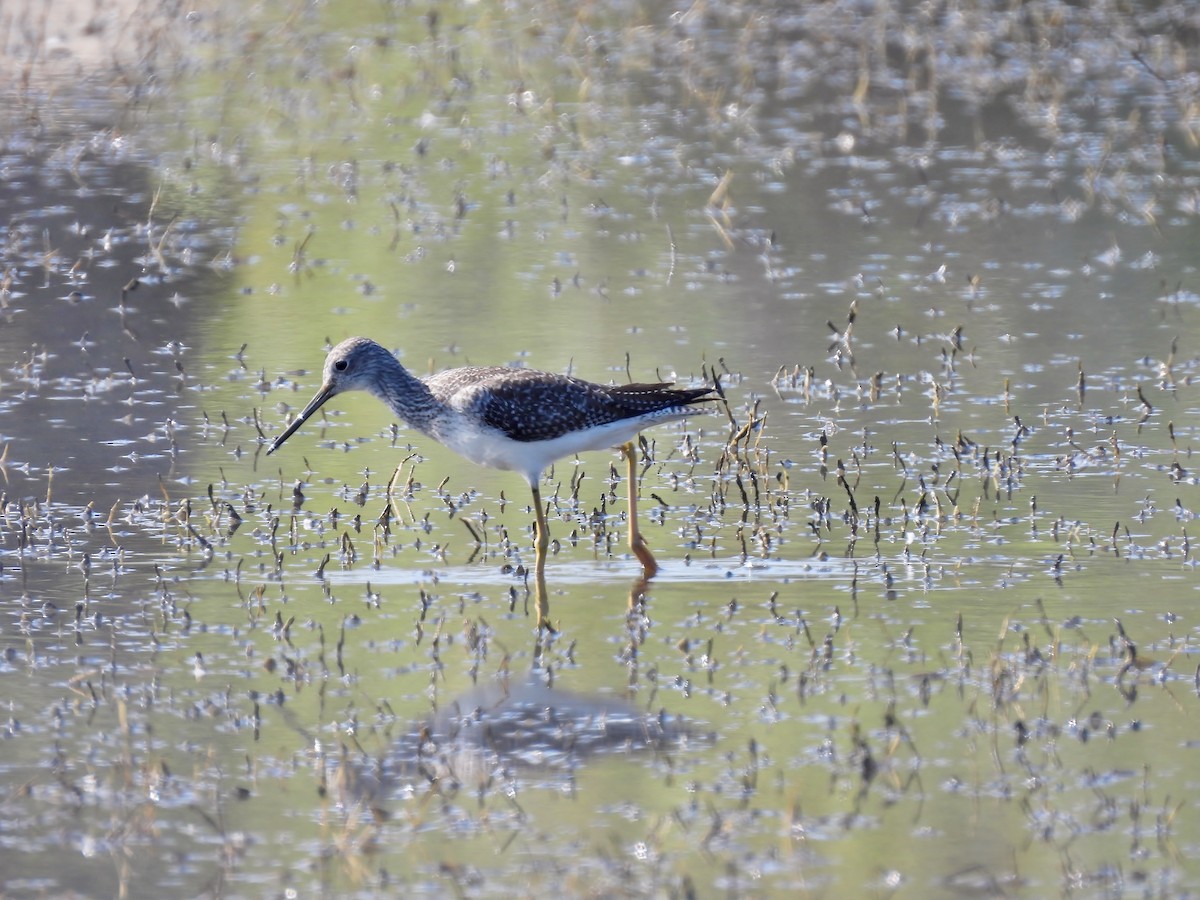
x: 636, y: 542
x: 637, y: 592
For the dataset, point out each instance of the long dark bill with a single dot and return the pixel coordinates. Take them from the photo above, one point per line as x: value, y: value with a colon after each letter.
x: 313, y: 405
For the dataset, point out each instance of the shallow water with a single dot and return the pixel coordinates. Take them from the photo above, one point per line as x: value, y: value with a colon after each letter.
x: 932, y: 605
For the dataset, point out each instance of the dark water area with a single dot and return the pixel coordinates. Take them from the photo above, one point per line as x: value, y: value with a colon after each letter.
x: 923, y: 624
x: 100, y: 301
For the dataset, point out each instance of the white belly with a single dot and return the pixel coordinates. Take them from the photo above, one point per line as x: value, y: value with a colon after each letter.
x: 498, y: 451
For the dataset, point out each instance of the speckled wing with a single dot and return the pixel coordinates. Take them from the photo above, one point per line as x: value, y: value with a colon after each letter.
x: 528, y: 405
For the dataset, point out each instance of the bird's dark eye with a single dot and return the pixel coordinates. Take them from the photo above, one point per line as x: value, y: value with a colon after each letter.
x: 341, y: 365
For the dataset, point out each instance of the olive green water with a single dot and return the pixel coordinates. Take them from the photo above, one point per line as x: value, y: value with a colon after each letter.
x: 927, y: 579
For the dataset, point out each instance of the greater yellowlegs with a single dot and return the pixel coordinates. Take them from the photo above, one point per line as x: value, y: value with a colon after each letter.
x: 506, y: 418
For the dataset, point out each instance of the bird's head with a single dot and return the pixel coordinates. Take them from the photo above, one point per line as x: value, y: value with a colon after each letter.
x: 356, y: 364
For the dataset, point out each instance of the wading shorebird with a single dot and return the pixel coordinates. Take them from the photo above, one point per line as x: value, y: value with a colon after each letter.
x: 505, y: 418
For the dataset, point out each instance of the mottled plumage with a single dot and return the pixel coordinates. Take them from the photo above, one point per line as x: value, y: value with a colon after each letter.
x: 527, y: 405
x: 518, y: 419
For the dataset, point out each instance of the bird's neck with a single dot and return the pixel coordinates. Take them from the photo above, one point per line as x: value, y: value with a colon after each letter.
x: 408, y: 397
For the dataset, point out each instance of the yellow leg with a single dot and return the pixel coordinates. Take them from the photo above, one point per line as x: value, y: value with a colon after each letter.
x: 636, y: 542
x: 541, y: 546
x: 542, y: 538
x: 542, y: 598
